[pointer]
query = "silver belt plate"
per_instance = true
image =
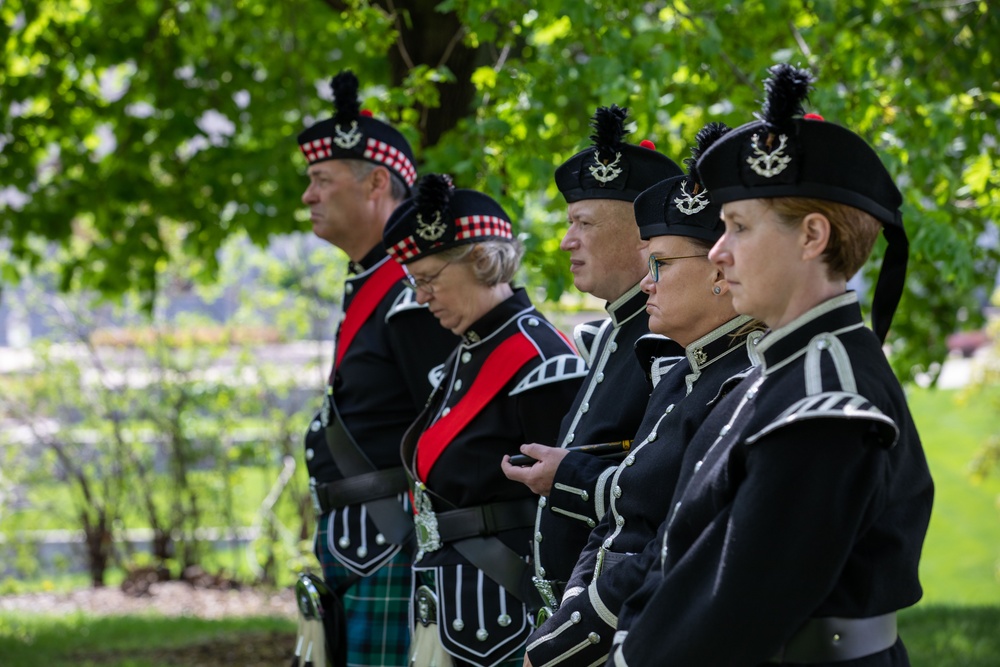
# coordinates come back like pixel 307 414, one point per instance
pixel 425 522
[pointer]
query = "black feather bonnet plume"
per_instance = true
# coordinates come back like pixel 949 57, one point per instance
pixel 609 131
pixel 432 203
pixel 706 136
pixel 785 92
pixel 345 98
pixel 434 195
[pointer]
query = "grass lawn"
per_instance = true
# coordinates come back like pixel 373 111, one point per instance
pixel 961 557
pixel 143 641
pixel 956 624
pixel 949 636
pixel 936 636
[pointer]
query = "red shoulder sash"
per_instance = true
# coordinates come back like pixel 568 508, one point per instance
pixel 502 364
pixel 364 304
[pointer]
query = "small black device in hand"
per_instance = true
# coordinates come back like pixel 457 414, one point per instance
pixel 604 449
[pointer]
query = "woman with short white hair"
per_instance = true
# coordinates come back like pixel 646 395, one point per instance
pixel 510 381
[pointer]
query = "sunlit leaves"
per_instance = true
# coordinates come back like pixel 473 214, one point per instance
pixel 204 101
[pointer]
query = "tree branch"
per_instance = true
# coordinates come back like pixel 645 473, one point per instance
pixel 404 54
pixel 455 39
pixel 800 41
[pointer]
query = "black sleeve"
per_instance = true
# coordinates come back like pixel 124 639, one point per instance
pixel 419 343
pixel 768 559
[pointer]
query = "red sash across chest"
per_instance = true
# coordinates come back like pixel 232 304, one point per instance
pixel 364 304
pixel 502 364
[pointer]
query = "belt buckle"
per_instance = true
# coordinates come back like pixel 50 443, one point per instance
pixel 425 522
pixel 426 605
pixel 314 496
pixel 544 587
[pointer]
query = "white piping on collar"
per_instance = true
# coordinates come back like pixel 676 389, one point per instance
pixel 614 306
pixel 813 313
pixel 469 346
pixel 372 269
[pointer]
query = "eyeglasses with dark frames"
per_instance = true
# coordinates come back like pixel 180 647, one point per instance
pixel 654 264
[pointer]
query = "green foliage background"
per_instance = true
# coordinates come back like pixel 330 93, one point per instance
pixel 915 79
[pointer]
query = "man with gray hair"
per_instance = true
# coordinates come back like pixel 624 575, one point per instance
pixel 387 345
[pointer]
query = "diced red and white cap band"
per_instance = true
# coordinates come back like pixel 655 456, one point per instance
pixel 375 150
pixel 468 228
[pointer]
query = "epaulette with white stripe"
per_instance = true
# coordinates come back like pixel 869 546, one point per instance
pixel 436 375
pixel 657 354
pixel 836 405
pixel 586 335
pixel 406 300
pixel 555 369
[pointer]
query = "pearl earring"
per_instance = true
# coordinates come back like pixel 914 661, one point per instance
pixel 717 289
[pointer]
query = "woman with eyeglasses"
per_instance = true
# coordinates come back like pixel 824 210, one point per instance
pixel 689 302
pixel 510 381
pixel 796 530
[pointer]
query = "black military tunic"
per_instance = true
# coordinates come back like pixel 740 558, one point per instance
pixel 805 495
pixel 478 620
pixel 622 547
pixel 379 387
pixel 609 408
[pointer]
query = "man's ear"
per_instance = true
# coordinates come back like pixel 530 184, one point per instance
pixel 815 235
pixel 379 180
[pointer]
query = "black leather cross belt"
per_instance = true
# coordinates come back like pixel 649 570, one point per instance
pixel 360 489
pixel 483 520
pixel 838 639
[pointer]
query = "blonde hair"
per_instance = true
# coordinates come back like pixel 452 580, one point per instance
pixel 852 231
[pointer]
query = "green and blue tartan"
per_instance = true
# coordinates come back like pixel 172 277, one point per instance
pixel 377 607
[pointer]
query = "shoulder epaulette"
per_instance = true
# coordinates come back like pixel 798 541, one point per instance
pixel 729 383
pixel 405 301
pixel 554 369
pixel 436 375
pixel 586 335
pixel 834 405
pixel 657 354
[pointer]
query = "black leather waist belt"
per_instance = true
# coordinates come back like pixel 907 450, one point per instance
pixel 839 639
pixel 360 489
pixel 483 520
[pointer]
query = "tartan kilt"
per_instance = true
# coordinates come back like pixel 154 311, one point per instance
pixel 376 606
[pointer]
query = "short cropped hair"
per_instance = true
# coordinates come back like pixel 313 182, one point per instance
pixel 852 231
pixel 493 262
pixel 361 169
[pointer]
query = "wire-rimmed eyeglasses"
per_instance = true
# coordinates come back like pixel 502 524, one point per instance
pixel 425 284
pixel 654 264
